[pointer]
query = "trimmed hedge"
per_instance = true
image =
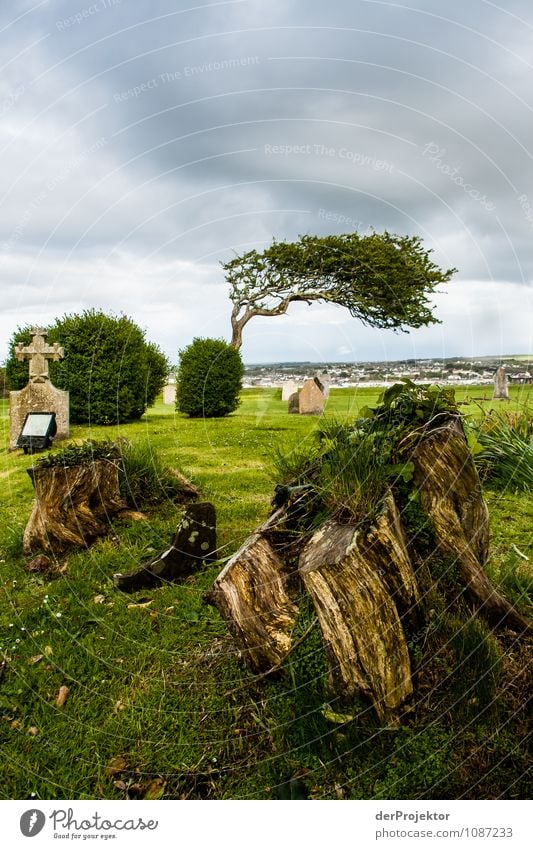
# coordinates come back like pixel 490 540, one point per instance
pixel 209 379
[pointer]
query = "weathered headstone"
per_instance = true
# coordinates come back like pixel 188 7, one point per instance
pixel 311 399
pixel 39 395
pixel 324 383
pixel 169 393
pixel 288 388
pixel 501 389
pixel 294 403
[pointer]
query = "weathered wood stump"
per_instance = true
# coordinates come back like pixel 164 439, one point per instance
pixel 361 579
pixel 73 505
pixel 193 545
pixel 385 546
pixel 250 595
pixel 451 495
pixel 357 580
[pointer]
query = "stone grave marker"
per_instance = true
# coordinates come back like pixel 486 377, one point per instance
pixel 288 388
pixel 501 389
pixel 294 403
pixel 311 398
pixel 324 382
pixel 39 395
pixel 169 393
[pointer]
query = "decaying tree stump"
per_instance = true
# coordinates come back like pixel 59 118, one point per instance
pixel 73 505
pixel 361 579
pixel 250 595
pixel 451 495
pixel 356 579
pixel 385 547
pixel 193 545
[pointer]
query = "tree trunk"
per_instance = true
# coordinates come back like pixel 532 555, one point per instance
pixel 237 325
pixel 236 336
pixel 358 582
pixel 73 505
pixel 451 495
pixel 250 595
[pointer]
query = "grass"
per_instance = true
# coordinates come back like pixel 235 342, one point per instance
pixel 154 678
pixel 506 458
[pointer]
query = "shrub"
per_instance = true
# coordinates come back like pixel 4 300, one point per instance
pixel 209 378
pixel 505 450
pixel 16 371
pixel 157 372
pixel 111 373
pixel 4 385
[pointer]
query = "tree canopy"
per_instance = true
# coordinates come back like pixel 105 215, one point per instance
pixel 111 373
pixel 384 280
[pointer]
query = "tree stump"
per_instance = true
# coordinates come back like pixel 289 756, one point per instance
pixel 73 505
pixel 357 580
pixel 250 595
pixel 451 495
pixel 193 545
pixel 361 579
pixel 385 546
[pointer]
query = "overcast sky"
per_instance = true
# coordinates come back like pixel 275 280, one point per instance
pixel 142 144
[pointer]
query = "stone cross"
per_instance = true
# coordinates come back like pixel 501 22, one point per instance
pixel 38 353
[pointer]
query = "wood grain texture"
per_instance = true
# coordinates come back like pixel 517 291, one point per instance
pixel 250 595
pixel 452 497
pixel 355 580
pixel 73 505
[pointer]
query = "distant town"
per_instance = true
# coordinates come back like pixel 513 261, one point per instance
pixel 454 370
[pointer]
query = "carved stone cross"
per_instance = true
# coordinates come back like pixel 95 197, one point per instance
pixel 38 353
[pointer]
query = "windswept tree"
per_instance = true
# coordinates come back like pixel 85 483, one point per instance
pixel 382 279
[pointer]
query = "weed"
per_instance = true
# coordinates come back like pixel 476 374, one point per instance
pixel 144 477
pixel 505 455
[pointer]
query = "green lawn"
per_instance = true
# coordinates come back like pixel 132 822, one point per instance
pixel 161 686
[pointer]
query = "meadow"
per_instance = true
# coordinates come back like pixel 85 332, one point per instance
pixel 160 704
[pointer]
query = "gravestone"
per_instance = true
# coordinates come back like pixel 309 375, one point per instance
pixel 501 389
pixel 169 393
pixel 288 388
pixel 294 403
pixel 311 399
pixel 39 395
pixel 324 383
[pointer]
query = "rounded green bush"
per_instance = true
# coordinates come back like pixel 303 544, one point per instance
pixel 209 379
pixel 111 373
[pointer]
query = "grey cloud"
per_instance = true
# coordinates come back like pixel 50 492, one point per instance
pixel 380 116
